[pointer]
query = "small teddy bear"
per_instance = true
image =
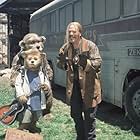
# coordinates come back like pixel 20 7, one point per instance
pixel 32 85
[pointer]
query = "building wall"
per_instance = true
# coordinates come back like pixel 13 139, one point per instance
pixel 3 39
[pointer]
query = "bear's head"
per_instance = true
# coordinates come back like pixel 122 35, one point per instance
pixel 32 59
pixel 32 40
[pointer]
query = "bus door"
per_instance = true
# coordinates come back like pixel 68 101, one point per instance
pixel 107 78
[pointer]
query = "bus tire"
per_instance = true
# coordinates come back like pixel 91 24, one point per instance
pixel 132 101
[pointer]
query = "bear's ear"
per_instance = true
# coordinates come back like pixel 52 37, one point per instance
pixel 22 44
pixel 43 38
pixel 43 55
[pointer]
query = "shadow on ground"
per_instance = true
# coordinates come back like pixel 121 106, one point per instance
pixel 115 116
pixel 107 112
pixel 59 93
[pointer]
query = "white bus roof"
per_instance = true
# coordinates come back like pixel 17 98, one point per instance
pixel 46 7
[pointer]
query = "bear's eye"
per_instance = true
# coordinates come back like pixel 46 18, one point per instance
pixel 29 58
pixel 33 42
pixel 38 41
pixel 30 42
pixel 35 58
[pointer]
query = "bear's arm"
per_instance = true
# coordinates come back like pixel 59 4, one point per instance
pixel 47 68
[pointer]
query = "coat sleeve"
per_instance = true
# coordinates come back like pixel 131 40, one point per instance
pixel 47 68
pixel 18 86
pixel 94 61
pixel 61 63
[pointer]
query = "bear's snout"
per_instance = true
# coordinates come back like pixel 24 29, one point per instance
pixel 32 61
pixel 38 47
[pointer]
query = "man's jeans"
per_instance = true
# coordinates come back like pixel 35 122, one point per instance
pixel 85 121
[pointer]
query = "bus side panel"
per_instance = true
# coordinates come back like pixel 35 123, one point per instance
pixel 107 78
pixel 126 57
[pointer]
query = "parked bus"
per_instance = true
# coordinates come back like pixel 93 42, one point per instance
pixel 114 25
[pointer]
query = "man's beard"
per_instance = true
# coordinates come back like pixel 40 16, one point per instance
pixel 71 39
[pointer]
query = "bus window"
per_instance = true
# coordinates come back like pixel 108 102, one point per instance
pixel 77 11
pixel 62 19
pixel 130 7
pixel 33 27
pixel 138 5
pixel 37 24
pixel 68 14
pixel 99 10
pixel 53 21
pixel 87 12
pixel 112 12
pixel 57 20
pixel 44 25
pixel 105 10
pixel 48 23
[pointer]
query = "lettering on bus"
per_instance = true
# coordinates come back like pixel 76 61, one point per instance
pixel 90 34
pixel 134 52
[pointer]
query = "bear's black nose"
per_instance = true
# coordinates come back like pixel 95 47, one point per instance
pixel 38 47
pixel 32 61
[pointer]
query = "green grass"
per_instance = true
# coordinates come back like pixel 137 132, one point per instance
pixel 61 126
pixel 109 132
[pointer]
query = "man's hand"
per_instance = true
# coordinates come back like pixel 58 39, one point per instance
pixel 22 99
pixel 61 51
pixel 62 58
pixel 83 60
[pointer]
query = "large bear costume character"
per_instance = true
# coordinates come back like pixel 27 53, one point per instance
pixel 31 41
pixel 33 89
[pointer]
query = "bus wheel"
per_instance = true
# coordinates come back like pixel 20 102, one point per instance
pixel 132 100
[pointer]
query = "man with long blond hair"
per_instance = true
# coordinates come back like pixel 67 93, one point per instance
pixel 81 60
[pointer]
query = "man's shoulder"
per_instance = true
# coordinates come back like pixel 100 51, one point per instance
pixel 89 42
